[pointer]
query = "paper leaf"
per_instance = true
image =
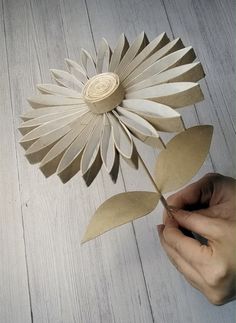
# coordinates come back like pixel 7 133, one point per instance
pixel 182 158
pixel 120 209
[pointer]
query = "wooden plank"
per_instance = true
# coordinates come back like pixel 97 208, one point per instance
pixel 170 295
pixel 14 291
pixel 103 280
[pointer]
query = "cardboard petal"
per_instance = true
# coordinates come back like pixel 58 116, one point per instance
pixel 151 48
pixel 140 128
pixel 107 148
pixel 66 79
pixel 120 209
pixel 118 53
pixel 58 90
pixel 139 43
pixel 182 158
pixel 181 56
pixel 48 100
pixel 161 116
pixel 170 47
pixel 76 70
pixel 87 63
pixel 73 154
pixel 103 57
pixel 176 95
pixel 36 113
pixel 50 126
pixel 192 72
pixel 121 137
pixel 92 147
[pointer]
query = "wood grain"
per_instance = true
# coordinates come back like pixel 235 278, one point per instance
pixel 124 276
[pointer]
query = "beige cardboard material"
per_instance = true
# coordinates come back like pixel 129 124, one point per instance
pixel 182 158
pixel 120 209
pixel 92 115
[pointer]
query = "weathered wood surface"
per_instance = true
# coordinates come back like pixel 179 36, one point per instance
pixel 123 276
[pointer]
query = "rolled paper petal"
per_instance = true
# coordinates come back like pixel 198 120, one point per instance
pixel 140 128
pixel 67 79
pixel 151 48
pixel 47 100
pixel 76 70
pixel 139 43
pixel 170 47
pixel 103 57
pixel 192 72
pixel 176 95
pixel 58 90
pixel 118 53
pixel 161 116
pixel 121 137
pixel 107 147
pixel 87 63
pixel 182 56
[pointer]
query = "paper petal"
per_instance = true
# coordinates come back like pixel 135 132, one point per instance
pixel 36 113
pixel 140 128
pixel 47 100
pixel 103 57
pixel 87 63
pixel 121 137
pixel 171 47
pixel 181 56
pixel 161 116
pixel 119 51
pixel 182 158
pixel 76 70
pixel 107 148
pixel 151 48
pixel 70 162
pixel 58 90
pixel 176 95
pixel 66 79
pixel 139 43
pixel 120 209
pixel 192 72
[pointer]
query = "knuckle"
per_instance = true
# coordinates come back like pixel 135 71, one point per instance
pixel 216 298
pixel 215 275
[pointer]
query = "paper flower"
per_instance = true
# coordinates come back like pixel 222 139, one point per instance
pixel 92 115
pixel 96 109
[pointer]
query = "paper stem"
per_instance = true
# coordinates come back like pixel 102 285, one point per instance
pixel 162 199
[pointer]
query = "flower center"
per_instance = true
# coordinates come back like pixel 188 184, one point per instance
pixel 103 92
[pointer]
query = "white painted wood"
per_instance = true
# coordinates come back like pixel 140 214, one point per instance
pixel 14 292
pixel 123 276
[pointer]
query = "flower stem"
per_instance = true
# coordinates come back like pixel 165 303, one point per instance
pixel 162 199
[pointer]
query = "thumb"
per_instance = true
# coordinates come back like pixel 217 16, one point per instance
pixel 195 222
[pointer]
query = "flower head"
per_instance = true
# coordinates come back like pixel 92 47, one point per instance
pixel 96 109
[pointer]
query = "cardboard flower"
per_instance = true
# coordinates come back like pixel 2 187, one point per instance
pixel 96 109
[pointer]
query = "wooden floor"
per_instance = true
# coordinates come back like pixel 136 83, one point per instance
pixel 123 276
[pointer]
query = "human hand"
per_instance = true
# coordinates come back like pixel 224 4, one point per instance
pixel 208 208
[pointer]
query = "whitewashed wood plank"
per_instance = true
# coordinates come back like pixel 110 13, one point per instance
pixel 14 292
pixel 170 295
pixel 103 280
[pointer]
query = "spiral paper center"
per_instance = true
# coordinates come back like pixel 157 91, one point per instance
pixel 103 92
